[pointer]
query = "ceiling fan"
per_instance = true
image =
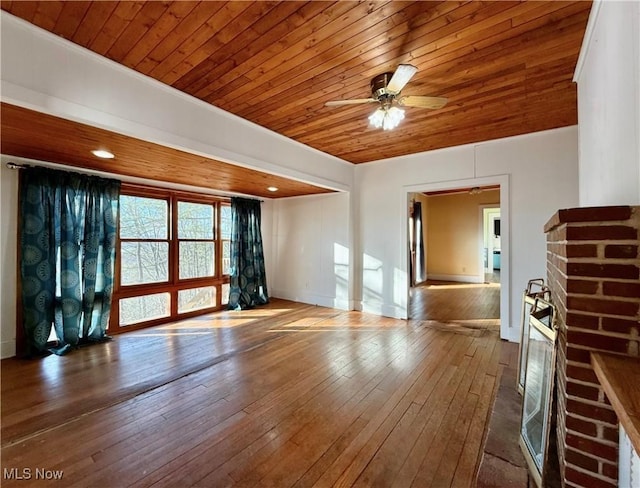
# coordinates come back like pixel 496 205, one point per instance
pixel 385 90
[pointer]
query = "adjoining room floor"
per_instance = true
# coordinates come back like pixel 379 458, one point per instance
pixel 459 305
pixel 287 395
pixel 493 277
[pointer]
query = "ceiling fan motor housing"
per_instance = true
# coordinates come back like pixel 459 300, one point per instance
pixel 379 86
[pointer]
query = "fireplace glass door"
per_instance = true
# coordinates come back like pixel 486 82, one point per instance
pixel 538 387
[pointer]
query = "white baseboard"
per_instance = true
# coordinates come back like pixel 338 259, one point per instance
pixel 7 349
pixel 457 278
pixel 393 311
pixel 375 308
pixel 312 299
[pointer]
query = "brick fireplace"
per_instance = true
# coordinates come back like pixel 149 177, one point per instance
pixel 593 270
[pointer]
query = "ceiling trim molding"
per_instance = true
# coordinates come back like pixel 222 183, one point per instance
pixel 586 40
pixel 471 145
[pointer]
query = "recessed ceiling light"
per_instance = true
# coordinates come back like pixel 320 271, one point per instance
pixel 101 153
pixel 272 188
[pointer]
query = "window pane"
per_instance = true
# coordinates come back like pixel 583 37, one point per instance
pixel 226 257
pixel 196 259
pixel 144 262
pixel 196 298
pixel 141 309
pixel 143 218
pixel 225 222
pixel 195 221
pixel 225 294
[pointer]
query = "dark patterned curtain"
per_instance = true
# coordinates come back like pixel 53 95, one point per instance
pixel 248 283
pixel 418 269
pixel 68 225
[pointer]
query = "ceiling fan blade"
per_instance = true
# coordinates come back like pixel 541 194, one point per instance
pixel 422 102
pixel 355 101
pixel 401 77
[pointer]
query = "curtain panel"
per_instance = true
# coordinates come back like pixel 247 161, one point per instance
pixel 248 282
pixel 68 225
pixel 419 272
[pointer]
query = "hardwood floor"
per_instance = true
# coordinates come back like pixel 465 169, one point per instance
pixel 287 395
pixel 457 306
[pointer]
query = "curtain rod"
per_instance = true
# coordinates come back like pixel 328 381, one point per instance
pixel 16 166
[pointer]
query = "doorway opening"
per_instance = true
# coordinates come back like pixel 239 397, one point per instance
pixel 491 243
pixel 455 258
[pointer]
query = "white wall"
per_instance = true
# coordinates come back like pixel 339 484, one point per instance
pixel 608 76
pixel 8 259
pixel 538 174
pixel 49 74
pixel 311 250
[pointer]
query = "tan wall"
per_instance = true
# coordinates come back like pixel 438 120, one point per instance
pixel 453 232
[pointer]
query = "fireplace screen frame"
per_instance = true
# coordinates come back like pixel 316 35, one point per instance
pixel 537 407
pixel 535 289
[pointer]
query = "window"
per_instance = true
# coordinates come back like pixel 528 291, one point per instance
pixel 144 308
pixel 196 240
pixel 144 240
pixel 173 258
pixel 196 298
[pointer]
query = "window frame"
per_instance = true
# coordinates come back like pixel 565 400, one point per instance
pixel 119 242
pixel 174 283
pixel 215 239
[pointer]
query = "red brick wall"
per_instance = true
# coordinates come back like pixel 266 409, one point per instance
pixel 593 270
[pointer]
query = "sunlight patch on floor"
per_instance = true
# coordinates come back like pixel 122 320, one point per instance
pixel 478 322
pixel 167 334
pixel 451 286
pixel 220 320
pixel 359 322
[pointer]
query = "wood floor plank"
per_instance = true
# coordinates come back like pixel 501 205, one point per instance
pixel 354 459
pixel 322 430
pixel 471 453
pixel 383 468
pixel 428 424
pixel 238 438
pixel 289 395
pixel 455 444
pixel 439 442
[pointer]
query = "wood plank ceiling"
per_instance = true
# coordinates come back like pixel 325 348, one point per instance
pixel 506 67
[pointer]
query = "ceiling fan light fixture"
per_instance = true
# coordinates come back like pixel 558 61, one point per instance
pixel 387 118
